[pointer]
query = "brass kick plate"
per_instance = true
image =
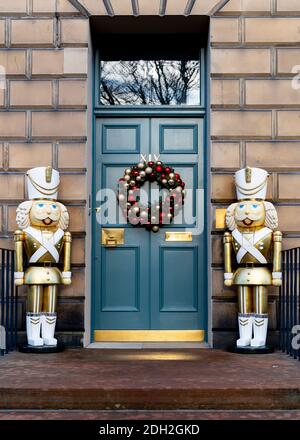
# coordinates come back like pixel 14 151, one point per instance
pixel 149 335
pixel 179 236
pixel 112 237
pixel 220 218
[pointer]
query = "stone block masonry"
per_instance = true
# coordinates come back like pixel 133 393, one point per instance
pixel 255 121
pixel 43 102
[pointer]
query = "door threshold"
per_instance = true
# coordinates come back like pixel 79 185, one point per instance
pixel 146 345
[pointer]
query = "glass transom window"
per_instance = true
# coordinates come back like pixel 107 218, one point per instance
pixel 150 82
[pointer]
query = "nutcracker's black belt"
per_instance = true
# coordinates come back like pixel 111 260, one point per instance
pixel 43 265
pixel 252 265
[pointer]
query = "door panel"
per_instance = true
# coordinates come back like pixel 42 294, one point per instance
pixel 121 136
pixel 149 283
pixel 121 139
pixel 180 139
pixel 122 301
pixel 121 293
pixel 177 267
pixel 178 283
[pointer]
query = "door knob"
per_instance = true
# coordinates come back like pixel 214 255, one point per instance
pixel 98 209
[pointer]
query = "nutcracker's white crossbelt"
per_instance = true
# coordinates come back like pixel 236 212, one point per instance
pixel 247 247
pixel 46 245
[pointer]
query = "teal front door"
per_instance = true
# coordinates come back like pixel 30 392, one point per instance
pixel 149 283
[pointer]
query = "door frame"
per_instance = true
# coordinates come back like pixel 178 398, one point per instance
pixel 100 111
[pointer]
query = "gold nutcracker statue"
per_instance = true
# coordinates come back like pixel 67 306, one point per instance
pixel 253 224
pixel 41 237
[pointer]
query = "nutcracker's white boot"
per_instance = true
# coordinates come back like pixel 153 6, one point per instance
pixel 48 328
pixel 33 329
pixel 245 330
pixel 260 324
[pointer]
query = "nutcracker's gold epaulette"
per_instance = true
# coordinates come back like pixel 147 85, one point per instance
pixel 68 237
pixel 277 236
pixel 18 235
pixel 227 237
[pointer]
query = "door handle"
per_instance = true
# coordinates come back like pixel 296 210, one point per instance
pixel 97 210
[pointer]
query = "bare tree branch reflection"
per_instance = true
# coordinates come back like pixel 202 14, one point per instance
pixel 150 82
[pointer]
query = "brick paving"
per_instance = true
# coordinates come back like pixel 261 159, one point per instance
pixel 149 380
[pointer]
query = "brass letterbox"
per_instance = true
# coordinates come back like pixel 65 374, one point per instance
pixel 112 237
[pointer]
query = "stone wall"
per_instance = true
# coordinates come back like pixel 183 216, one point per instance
pixel 43 101
pixel 255 121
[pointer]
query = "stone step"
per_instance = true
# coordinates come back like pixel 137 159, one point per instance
pixel 169 379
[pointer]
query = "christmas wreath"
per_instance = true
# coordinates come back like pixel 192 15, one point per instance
pixel 160 212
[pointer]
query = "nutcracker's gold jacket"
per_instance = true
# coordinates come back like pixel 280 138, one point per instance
pixel 45 270
pixel 251 271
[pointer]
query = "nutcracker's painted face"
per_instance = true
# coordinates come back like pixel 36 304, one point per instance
pixel 45 213
pixel 250 214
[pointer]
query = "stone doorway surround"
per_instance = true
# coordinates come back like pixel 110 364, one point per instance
pixel 146 7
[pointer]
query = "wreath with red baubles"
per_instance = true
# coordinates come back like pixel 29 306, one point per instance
pixel 160 212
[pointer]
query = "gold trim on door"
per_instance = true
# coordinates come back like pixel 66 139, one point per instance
pixel 149 335
pixel 179 236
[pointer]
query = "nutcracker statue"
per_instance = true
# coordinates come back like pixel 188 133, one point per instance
pixel 253 224
pixel 41 239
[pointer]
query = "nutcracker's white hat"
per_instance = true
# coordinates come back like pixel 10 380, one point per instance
pixel 251 183
pixel 42 183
